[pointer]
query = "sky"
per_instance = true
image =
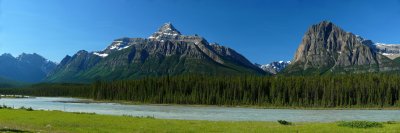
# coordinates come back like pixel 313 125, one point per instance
pixel 261 30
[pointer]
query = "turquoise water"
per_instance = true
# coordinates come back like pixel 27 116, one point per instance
pixel 213 113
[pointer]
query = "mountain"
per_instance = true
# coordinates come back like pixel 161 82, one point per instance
pixel 326 48
pixel 166 52
pixel 391 51
pixel 274 67
pixel 25 67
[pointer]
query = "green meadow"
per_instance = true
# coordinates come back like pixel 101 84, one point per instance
pixel 17 120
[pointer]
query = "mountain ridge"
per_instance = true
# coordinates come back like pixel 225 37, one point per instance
pixel 166 52
pixel 25 67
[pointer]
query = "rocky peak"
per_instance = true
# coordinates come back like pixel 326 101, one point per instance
pixel 82 52
pixel 326 46
pixel 32 58
pixel 7 55
pixel 167 31
pixel 25 55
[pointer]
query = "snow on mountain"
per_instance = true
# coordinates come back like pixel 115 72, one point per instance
pixel 100 54
pixel 274 67
pixel 391 51
pixel 118 45
pixel 167 31
pixel 166 52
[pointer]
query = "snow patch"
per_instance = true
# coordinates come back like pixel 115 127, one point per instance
pixel 387 54
pixel 101 54
pixel 170 34
pixel 383 44
pixel 119 45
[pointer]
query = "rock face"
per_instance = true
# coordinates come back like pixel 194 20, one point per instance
pixel 25 67
pixel 327 48
pixel 166 52
pixel 274 67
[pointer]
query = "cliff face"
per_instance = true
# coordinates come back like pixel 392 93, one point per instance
pixel 326 47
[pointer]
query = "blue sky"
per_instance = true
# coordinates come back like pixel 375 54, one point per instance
pixel 261 30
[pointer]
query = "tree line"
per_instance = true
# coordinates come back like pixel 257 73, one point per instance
pixel 51 90
pixel 358 90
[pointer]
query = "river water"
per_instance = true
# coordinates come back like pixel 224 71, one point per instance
pixel 213 113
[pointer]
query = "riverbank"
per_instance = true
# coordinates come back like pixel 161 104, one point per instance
pixel 123 102
pixel 211 113
pixel 56 121
pixel 15 96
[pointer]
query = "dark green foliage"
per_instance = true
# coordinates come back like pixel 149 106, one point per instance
pixel 7 83
pixel 364 90
pixel 48 89
pixel 360 124
pixel 283 122
pixel 8 130
pixel 397 60
pixel 391 122
pixel 90 113
pixel 5 107
pixel 343 91
pixel 27 109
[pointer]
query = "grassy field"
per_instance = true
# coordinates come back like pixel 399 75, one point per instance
pixel 55 121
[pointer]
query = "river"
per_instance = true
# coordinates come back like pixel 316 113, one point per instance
pixel 213 113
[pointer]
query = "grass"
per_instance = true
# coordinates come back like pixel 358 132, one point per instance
pixel 361 124
pixel 62 122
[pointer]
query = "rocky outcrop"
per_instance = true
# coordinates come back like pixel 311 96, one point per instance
pixel 326 47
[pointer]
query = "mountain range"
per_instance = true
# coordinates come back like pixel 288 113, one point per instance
pixel 25 67
pixel 325 49
pixel 165 53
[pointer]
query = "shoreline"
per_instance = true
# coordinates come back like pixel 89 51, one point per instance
pixel 89 101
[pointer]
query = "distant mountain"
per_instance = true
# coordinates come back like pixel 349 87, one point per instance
pixel 326 48
pixel 274 67
pixel 166 52
pixel 391 51
pixel 25 67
